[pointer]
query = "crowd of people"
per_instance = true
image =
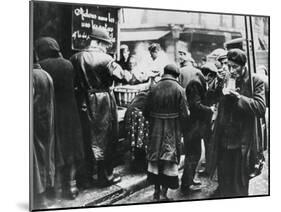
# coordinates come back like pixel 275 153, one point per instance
pixel 76 121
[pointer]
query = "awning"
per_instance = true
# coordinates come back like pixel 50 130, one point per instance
pixel 142 35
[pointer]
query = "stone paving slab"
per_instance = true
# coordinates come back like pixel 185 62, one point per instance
pixel 131 182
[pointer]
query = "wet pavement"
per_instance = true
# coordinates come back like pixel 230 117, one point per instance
pixel 258 186
pixel 134 189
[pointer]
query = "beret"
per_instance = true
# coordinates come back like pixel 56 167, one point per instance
pixel 238 56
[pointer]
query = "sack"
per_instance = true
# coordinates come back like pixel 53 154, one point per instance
pixel 256 160
pixel 256 164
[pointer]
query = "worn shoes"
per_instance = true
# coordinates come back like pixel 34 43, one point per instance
pixel 114 180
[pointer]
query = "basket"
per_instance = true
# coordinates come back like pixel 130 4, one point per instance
pixel 125 94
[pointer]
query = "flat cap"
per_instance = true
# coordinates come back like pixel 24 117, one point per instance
pixel 47 43
pixel 218 54
pixel 44 47
pixel 238 56
pixel 172 69
pixel 183 49
pixel 124 46
pixel 209 67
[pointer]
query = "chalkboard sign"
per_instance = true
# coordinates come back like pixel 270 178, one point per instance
pixel 86 17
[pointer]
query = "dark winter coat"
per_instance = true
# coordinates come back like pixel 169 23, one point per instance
pixel 167 110
pixel 43 146
pixel 236 124
pixel 187 73
pixel 68 128
pixel 200 113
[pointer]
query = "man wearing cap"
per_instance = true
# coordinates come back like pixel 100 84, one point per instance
pixel 219 58
pixel 95 70
pixel 234 133
pixel 167 111
pixel 68 133
pixel 210 99
pixel 194 84
pixel 187 70
pixel 200 112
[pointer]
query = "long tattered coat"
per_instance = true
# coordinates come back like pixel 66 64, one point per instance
pixel 167 110
pixel 68 128
pixel 43 134
pixel 234 135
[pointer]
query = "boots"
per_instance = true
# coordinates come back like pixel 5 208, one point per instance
pixel 105 175
pixel 156 195
pixel 71 191
pixel 164 194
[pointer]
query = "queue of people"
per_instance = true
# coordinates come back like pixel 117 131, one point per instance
pixel 76 125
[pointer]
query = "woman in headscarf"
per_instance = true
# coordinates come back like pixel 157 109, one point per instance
pixel 136 126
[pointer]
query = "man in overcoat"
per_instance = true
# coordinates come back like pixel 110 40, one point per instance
pixel 187 70
pixel 235 128
pixel 95 71
pixel 200 112
pixel 68 133
pixel 195 86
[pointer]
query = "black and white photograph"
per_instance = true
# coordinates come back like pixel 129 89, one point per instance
pixel 132 105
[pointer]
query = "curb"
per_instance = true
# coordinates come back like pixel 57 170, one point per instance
pixel 120 194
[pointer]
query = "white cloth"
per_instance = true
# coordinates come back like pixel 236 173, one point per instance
pixel 169 168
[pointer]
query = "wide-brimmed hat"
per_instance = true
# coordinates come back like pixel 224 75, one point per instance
pixel 100 34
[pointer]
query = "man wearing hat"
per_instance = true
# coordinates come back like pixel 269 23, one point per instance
pixel 234 133
pixel 167 112
pixel 95 70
